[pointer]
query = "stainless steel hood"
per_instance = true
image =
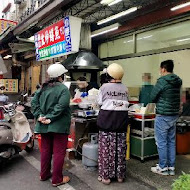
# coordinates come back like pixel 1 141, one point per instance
pixel 83 60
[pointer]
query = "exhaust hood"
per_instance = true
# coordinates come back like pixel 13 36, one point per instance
pixel 83 60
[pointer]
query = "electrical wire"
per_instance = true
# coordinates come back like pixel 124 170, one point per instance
pixel 78 145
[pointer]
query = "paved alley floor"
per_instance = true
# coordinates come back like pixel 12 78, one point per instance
pixel 22 173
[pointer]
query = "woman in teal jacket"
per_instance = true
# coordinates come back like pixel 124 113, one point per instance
pixel 51 109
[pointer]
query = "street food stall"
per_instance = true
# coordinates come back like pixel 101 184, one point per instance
pixel 84 116
pixel 83 64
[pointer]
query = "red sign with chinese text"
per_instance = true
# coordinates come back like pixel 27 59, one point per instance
pixel 51 35
pixel 59 39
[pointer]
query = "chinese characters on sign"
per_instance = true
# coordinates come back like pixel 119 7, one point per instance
pixel 67 35
pixel 53 41
pixel 11 85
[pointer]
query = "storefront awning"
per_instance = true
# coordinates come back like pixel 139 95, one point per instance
pixel 20 47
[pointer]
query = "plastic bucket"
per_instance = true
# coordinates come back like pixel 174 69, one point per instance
pixel 71 137
pixel 183 143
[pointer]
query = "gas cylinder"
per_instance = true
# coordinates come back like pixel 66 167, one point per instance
pixel 90 152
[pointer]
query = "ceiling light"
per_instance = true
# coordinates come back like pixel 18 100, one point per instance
pixel 114 2
pixel 147 37
pixel 7 57
pixel 113 17
pixel 180 6
pixel 105 30
pixel 182 40
pixel 106 2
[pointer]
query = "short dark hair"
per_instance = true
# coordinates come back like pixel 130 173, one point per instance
pixel 168 65
pixel 82 79
pixel 105 78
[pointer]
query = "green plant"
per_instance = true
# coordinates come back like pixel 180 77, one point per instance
pixel 182 183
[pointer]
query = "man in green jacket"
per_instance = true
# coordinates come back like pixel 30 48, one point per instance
pixel 166 95
pixel 51 110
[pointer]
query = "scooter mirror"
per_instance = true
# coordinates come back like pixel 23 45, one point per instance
pixel 10 105
pixel 18 102
pixel 25 95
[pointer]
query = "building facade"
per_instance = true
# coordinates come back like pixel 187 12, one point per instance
pixel 139 41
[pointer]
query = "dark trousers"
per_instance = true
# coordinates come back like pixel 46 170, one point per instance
pixel 53 144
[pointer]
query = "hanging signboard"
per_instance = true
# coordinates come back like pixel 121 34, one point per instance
pixel 61 38
pixel 4 24
pixel 11 85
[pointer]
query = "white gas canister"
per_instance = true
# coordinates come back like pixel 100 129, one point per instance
pixel 90 152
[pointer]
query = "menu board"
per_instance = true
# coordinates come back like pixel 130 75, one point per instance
pixel 11 85
pixel 2 82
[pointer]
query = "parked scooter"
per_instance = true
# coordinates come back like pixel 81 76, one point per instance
pixel 15 133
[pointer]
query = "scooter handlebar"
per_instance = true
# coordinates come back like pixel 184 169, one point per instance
pixel 4 108
pixel 8 108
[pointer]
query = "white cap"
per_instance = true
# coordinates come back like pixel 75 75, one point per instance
pixel 56 70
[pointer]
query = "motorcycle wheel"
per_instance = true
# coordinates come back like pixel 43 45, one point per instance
pixel 30 146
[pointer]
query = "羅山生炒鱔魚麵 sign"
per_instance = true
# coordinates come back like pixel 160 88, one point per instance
pixel 61 38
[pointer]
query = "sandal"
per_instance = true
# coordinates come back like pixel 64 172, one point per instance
pixel 99 179
pixel 45 178
pixel 106 181
pixel 66 179
pixel 120 180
